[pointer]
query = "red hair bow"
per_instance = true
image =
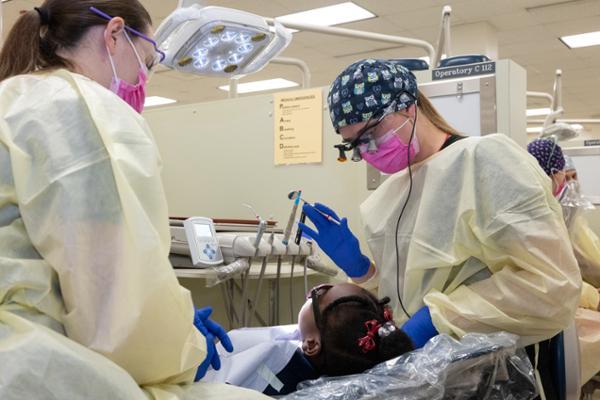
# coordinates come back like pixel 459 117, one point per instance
pixel 367 342
pixel 387 314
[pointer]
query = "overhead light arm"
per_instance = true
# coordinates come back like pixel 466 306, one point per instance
pixel 352 33
pixel 306 77
pixel 556 109
pixel 541 95
pixel 443 45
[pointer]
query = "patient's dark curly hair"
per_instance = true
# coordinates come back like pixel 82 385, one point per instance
pixel 343 324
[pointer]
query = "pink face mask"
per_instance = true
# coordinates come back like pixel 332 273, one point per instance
pixel 392 154
pixel 560 188
pixel 134 95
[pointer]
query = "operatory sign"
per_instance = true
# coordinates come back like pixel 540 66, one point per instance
pixel 462 71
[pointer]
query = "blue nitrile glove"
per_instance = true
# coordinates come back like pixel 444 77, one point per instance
pixel 420 328
pixel 337 241
pixel 210 330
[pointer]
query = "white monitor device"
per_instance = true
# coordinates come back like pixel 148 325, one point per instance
pixel 202 240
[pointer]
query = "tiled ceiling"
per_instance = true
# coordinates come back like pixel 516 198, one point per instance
pixel 527 32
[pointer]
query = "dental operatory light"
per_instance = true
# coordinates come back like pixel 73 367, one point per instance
pixel 553 128
pixel 218 41
pixel 559 131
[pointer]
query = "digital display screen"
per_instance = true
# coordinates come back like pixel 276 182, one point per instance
pixel 202 230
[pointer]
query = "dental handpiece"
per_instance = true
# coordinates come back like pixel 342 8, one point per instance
pixel 288 229
pixel 262 226
pixel 299 231
pixel 327 216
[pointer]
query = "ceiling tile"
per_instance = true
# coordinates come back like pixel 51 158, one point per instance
pixel 565 11
pixel 516 20
pixel 583 25
pixel 520 35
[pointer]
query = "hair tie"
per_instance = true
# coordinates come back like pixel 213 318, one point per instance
pixel 367 342
pixel 386 329
pixel 44 15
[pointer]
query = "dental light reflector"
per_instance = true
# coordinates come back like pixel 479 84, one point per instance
pixel 219 41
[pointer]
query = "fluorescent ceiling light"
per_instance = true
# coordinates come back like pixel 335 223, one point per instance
pixel 534 112
pixel 153 101
pixel 257 86
pixel 328 16
pixel 581 40
pixel 535 129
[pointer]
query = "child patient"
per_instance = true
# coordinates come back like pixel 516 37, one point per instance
pixel 346 330
pixel 342 329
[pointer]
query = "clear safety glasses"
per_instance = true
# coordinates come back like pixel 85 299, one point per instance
pixel 364 135
pixel 159 56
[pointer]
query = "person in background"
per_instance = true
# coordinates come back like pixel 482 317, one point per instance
pixel 465 233
pixel 90 306
pixel 551 159
pixel 586 246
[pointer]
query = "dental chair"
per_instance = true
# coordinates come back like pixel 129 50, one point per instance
pixel 413 64
pixel 465 59
pixel 482 367
pixel 479 367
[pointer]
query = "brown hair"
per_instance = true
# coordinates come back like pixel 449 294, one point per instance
pixel 38 34
pixel 342 326
pixel 427 109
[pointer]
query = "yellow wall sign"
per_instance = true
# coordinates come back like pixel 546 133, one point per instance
pixel 298 121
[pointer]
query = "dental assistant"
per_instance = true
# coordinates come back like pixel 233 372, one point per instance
pixel 90 306
pixel 465 234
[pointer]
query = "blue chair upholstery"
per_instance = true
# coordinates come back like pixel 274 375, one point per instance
pixel 413 64
pixel 463 60
pixel 566 364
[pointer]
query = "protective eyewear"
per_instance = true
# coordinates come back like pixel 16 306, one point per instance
pixel 365 134
pixel 314 295
pixel 319 290
pixel 160 55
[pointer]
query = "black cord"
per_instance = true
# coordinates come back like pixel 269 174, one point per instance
pixel 412 134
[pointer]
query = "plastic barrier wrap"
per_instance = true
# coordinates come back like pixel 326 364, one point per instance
pixel 482 367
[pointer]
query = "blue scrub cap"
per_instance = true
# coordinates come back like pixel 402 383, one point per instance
pixel 367 87
pixel 548 154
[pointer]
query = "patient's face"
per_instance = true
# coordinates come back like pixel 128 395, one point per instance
pixel 571 175
pixel 306 319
